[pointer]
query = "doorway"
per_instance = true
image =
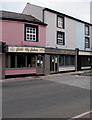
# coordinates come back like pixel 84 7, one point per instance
pixel 53 63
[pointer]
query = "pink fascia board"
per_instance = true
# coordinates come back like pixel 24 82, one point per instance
pixel 20 71
pixel 13 33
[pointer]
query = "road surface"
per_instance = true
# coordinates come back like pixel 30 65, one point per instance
pixel 49 97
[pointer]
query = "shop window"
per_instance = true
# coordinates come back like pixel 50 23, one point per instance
pixel 7 61
pixel 31 33
pixel 85 61
pixel 66 60
pixel 12 60
pixel 61 60
pixel 30 61
pixel 21 60
pixel 72 60
pixel 60 38
pixel 60 22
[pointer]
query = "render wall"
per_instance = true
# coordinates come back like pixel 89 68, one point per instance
pixel 51 31
pixel 91 12
pixel 74 30
pixel 33 10
pixel 13 33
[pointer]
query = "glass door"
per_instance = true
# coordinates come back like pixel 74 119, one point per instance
pixel 53 63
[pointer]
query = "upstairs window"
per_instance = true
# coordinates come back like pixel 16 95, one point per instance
pixel 60 38
pixel 86 30
pixel 60 22
pixel 31 33
pixel 87 42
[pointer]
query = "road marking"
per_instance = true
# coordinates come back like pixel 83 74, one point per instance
pixel 81 115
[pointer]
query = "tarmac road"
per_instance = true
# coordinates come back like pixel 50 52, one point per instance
pixel 51 97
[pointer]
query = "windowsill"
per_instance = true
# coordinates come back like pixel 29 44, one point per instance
pixel 31 41
pixel 61 27
pixel 20 68
pixel 60 45
pixel 68 66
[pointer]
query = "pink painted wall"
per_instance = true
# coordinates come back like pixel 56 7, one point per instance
pixel 20 71
pixel 0 30
pixel 13 33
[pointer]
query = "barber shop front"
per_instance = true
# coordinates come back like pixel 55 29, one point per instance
pixel 24 60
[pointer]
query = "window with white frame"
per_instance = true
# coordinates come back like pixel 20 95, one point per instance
pixel 60 22
pixel 87 42
pixel 60 38
pixel 31 33
pixel 86 30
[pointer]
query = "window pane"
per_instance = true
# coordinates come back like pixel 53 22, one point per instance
pixel 60 38
pixel 21 60
pixel 61 60
pixel 72 60
pixel 87 42
pixel 31 33
pixel 30 60
pixel 67 60
pixel 7 60
pixel 12 60
pixel 86 30
pixel 60 21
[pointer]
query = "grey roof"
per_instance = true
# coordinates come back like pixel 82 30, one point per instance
pixel 6 15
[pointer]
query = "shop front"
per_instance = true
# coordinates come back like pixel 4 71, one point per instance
pixel 24 60
pixel 61 60
pixel 84 60
pixel 27 60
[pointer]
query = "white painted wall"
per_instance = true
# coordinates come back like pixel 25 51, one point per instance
pixel 51 31
pixel 73 36
pixel 70 30
pixel 91 12
pixel 34 10
pixel 91 22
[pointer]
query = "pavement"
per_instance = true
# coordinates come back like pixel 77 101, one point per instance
pixel 47 76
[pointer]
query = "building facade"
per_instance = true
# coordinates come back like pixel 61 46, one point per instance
pixel 25 40
pixel 49 42
pixel 91 12
pixel 67 34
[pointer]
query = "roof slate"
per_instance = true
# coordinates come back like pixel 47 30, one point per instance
pixel 6 15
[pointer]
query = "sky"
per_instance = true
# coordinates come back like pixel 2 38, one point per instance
pixel 76 8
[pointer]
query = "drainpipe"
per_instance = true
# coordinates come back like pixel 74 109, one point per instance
pixel 76 58
pixel 43 15
pixel 2 60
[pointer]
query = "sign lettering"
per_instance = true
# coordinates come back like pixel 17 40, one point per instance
pixel 26 49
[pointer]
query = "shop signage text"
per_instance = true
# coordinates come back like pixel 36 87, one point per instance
pixel 26 49
pixel 85 53
pixel 67 52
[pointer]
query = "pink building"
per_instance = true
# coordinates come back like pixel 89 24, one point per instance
pixel 25 37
